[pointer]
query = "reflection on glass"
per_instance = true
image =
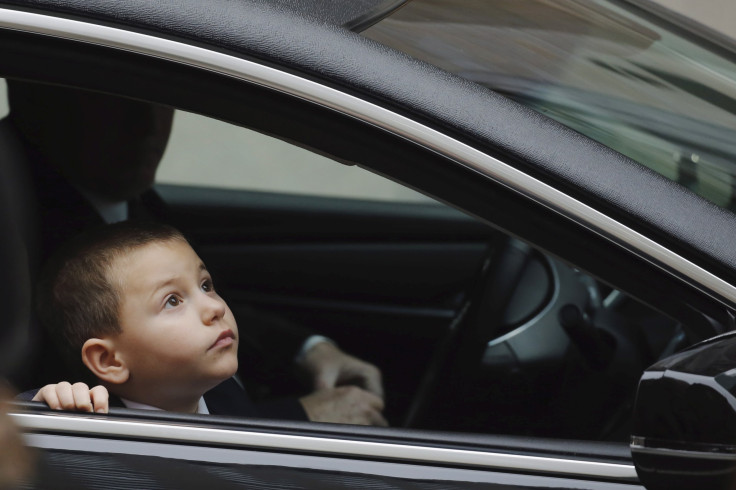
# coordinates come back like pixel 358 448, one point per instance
pixel 602 70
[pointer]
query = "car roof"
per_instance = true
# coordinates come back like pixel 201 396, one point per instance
pixel 270 32
pixel 355 15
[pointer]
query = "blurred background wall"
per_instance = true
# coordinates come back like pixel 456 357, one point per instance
pixel 717 14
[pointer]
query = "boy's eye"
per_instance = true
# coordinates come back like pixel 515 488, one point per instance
pixel 172 301
pixel 207 286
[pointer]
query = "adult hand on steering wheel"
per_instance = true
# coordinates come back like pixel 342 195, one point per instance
pixel 330 367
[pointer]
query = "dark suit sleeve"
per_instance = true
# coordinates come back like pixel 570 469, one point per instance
pixel 229 398
pixel 279 337
pixel 268 346
pixel 282 409
pixel 27 396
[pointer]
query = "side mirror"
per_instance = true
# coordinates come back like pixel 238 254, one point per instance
pixel 684 432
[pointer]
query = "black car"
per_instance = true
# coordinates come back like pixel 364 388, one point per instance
pixel 554 214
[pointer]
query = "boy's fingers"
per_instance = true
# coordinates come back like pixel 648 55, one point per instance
pixel 47 394
pixel 66 395
pixel 82 400
pixel 100 399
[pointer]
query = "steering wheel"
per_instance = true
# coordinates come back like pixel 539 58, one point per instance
pixel 461 350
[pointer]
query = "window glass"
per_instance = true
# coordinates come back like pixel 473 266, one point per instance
pixel 390 288
pixel 210 153
pixel 613 74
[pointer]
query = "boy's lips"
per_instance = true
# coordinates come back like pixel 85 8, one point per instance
pixel 226 337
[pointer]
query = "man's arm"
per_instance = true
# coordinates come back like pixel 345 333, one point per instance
pixel 285 343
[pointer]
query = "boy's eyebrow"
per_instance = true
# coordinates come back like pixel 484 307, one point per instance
pixel 160 285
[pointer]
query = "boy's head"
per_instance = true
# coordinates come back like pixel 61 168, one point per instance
pixel 139 305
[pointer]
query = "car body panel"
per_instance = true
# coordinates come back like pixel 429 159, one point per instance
pixel 232 444
pixel 136 465
pixel 355 15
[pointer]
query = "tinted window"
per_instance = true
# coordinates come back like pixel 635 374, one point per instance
pixel 632 84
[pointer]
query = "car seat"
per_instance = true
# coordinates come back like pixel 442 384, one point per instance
pixel 17 202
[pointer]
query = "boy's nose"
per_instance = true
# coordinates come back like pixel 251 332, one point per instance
pixel 213 309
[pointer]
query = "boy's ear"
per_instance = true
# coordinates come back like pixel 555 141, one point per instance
pixel 100 357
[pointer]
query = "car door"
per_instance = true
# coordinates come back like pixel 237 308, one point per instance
pixel 428 155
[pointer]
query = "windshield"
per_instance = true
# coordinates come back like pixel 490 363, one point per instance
pixel 633 85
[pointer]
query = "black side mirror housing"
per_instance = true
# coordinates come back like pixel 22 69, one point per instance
pixel 684 432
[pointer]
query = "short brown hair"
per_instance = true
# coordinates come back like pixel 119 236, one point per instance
pixel 76 299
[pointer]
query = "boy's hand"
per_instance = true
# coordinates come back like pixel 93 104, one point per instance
pixel 79 397
pixel 344 405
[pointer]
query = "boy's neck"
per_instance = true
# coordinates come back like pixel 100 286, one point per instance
pixel 180 406
pixel 144 406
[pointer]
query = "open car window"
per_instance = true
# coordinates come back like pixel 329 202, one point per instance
pixel 473 331
pixel 447 307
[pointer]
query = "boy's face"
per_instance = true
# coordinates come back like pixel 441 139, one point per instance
pixel 178 337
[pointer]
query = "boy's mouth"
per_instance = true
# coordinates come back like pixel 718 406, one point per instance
pixel 226 337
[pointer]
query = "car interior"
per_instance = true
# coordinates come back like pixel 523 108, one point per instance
pixel 473 330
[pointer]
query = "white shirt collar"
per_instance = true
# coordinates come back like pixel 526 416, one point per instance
pixel 111 211
pixel 201 406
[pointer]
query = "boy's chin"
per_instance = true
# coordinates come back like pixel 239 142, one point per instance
pixel 216 373
pixel 228 371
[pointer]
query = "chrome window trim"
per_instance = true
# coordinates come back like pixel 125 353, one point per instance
pixel 160 432
pixel 246 457
pixel 380 117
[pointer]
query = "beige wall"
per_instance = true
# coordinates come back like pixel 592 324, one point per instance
pixel 718 14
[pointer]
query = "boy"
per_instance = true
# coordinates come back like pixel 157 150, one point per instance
pixel 140 306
